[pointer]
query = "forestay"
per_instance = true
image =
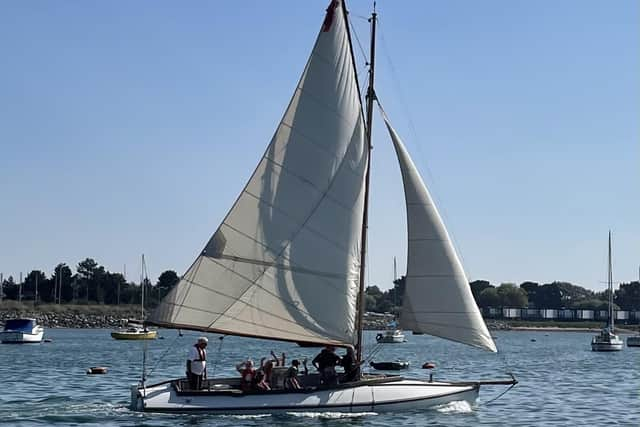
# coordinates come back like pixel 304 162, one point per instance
pixel 284 264
pixel 437 299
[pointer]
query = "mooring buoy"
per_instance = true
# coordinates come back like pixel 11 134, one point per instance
pixel 97 370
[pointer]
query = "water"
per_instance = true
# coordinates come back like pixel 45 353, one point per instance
pixel 562 381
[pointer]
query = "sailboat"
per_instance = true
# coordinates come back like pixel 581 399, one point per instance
pixel 132 329
pixel 607 340
pixel 288 261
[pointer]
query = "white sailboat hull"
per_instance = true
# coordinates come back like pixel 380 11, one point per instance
pixel 396 395
pixel 16 337
pixel 606 343
pixel 617 346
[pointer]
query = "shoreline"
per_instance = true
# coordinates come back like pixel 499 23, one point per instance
pixel 99 316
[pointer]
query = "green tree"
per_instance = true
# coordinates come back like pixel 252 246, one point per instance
pixel 531 288
pixel 111 283
pixel 61 280
pixel 548 296
pixel 489 298
pixel 477 286
pixel 628 296
pixel 512 296
pixel 10 288
pixel 33 284
pixel 590 304
pixel 167 280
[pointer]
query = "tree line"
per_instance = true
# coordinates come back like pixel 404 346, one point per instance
pixel 555 295
pixel 90 284
pixel 93 284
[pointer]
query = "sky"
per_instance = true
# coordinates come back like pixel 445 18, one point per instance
pixel 131 127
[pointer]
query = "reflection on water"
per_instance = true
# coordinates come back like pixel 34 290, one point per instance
pixel 562 381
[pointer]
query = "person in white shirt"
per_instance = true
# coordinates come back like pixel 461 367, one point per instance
pixel 197 363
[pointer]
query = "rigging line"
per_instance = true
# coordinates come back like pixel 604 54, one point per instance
pixel 162 356
pixel 436 199
pixel 489 402
pixel 353 31
pixel 215 361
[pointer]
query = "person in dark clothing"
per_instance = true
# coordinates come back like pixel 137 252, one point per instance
pixel 325 363
pixel 351 367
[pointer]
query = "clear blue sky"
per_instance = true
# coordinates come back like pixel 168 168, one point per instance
pixel 130 127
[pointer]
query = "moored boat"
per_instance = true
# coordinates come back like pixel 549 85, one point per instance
pixel 135 329
pixel 607 340
pixel 396 365
pixel 22 331
pixel 391 336
pixel 134 332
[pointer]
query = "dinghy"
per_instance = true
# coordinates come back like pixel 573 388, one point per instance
pixel 390 366
pixel 288 261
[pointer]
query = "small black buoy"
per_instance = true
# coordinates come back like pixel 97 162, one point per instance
pixel 97 370
pixel 533 340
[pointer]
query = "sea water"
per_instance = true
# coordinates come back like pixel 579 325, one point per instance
pixel 562 382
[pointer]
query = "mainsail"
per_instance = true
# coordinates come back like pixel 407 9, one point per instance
pixel 284 263
pixel 437 298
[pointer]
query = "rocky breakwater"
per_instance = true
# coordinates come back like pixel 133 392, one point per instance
pixel 70 317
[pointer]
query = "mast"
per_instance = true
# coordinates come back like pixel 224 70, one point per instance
pixel 142 286
pixel 610 279
pixel 363 248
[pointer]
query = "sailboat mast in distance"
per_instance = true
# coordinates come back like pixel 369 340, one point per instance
pixel 369 130
pixel 610 280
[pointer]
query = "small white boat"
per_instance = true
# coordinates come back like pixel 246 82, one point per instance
pixel 390 336
pixel 21 331
pixel 633 341
pixel 607 340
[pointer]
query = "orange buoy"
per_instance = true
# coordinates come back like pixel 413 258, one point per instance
pixel 428 365
pixel 97 370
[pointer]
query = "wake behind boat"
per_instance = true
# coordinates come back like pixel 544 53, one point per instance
pixel 21 331
pixel 288 261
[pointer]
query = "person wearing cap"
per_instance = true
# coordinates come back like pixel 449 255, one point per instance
pixel 197 364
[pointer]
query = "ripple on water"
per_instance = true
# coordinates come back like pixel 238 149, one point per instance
pixel 561 382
